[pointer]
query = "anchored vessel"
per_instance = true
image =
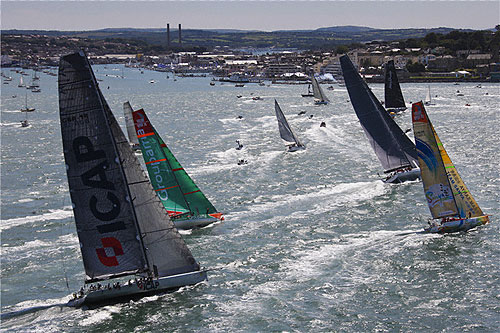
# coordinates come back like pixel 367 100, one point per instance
pixel 123 229
pixel 452 206
pixel 394 101
pixel 286 131
pixel 185 203
pixel 319 95
pixel 393 148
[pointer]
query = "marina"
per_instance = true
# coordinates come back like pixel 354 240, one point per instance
pixel 311 241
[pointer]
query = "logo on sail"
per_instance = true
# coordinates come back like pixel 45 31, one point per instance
pixel 438 194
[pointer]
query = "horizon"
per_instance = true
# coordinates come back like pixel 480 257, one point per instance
pixel 224 15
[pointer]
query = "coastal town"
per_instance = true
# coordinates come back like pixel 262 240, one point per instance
pixel 431 63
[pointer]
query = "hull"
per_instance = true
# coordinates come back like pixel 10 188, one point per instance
pixel 400 177
pixel 194 222
pixel 296 148
pixel 320 102
pixel 307 95
pixel 138 289
pixel 458 225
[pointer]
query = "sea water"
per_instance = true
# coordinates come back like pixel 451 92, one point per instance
pixel 312 241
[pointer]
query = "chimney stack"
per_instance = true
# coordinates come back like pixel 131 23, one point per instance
pixel 168 36
pixel 180 39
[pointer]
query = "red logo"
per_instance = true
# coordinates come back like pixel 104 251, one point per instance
pixel 117 248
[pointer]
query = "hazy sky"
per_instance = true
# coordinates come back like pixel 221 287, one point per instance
pixel 257 15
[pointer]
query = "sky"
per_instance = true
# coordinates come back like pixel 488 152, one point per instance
pixel 247 15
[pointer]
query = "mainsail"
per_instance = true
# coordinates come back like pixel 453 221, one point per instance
pixel 286 131
pixel 121 224
pixel 393 94
pixel 428 98
pixel 319 95
pixel 392 147
pixel 444 189
pixel 176 190
pixel 129 121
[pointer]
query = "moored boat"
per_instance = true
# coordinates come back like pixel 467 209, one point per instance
pixel 452 206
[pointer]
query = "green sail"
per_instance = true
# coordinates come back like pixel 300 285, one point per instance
pixel 177 191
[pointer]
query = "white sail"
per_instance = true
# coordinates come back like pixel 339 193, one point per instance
pixel 319 95
pixel 129 121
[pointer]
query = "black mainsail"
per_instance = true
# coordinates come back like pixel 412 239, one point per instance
pixel 392 147
pixel 122 226
pixel 393 95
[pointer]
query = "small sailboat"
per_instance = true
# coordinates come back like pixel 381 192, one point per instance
pixel 428 98
pixel 26 108
pixel 452 206
pixel 319 95
pixel 124 232
pixel 185 203
pixel 394 101
pixel 286 131
pixel 21 82
pixel 129 122
pixel 309 92
pixel 393 148
pixel 24 122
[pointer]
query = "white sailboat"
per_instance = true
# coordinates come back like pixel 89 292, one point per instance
pixel 428 98
pixel 124 232
pixel 26 108
pixel 319 95
pixel 286 131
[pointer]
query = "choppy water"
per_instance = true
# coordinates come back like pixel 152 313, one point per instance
pixel 312 241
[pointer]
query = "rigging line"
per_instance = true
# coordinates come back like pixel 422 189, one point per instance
pixel 62 257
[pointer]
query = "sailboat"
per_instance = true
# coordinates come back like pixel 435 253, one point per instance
pixel 286 131
pixel 21 83
pixel 451 204
pixel 309 92
pixel 123 229
pixel 394 101
pixel 319 95
pixel 428 99
pixel 129 122
pixel 393 148
pixel 185 203
pixel 24 122
pixel 26 108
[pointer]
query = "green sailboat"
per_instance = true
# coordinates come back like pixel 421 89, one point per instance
pixel 185 203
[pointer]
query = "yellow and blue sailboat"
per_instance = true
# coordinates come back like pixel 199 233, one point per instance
pixel 452 206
